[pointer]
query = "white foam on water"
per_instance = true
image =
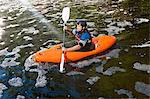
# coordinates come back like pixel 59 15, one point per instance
pixel 2 43
pixel 115 27
pixel 112 70
pixel 2 87
pixel 85 63
pixel 2 31
pixel 29 62
pixel 92 80
pixel 142 67
pixel 12 26
pixel 30 30
pixel 146 44
pixel 74 73
pixel 38 15
pixel 41 79
pixel 27 38
pixel 112 30
pixel 4 51
pixel 16 82
pixel 113 53
pixel 11 61
pixel 20 97
pixel 124 92
pixel 143 88
pixel 141 20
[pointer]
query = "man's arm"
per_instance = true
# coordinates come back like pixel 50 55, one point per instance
pixel 74 48
pixel 68 30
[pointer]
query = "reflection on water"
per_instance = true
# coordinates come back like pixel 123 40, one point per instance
pixel 30 26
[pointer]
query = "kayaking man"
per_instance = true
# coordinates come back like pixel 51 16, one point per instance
pixel 83 37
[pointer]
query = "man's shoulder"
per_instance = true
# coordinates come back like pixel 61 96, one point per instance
pixel 85 35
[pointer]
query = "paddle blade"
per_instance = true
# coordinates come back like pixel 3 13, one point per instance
pixel 65 14
pixel 62 63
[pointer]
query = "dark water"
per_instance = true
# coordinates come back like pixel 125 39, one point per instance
pixel 107 75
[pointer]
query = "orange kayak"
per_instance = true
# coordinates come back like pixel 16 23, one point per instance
pixel 54 54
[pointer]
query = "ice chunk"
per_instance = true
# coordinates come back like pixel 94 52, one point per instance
pixel 124 92
pixel 16 82
pixel 74 73
pixel 112 70
pixel 93 80
pixel 2 87
pixel 142 67
pixel 142 88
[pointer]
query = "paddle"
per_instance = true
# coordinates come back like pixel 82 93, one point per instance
pixel 65 17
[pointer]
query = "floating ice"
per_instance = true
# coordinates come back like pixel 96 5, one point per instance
pixel 141 20
pixel 142 88
pixel 112 70
pixel 124 92
pixel 20 97
pixel 16 82
pixel 74 73
pixel 93 80
pixel 142 67
pixel 2 87
pixel 27 38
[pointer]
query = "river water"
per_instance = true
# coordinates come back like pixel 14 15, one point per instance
pixel 29 26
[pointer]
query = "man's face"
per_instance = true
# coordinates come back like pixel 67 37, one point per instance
pixel 79 27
